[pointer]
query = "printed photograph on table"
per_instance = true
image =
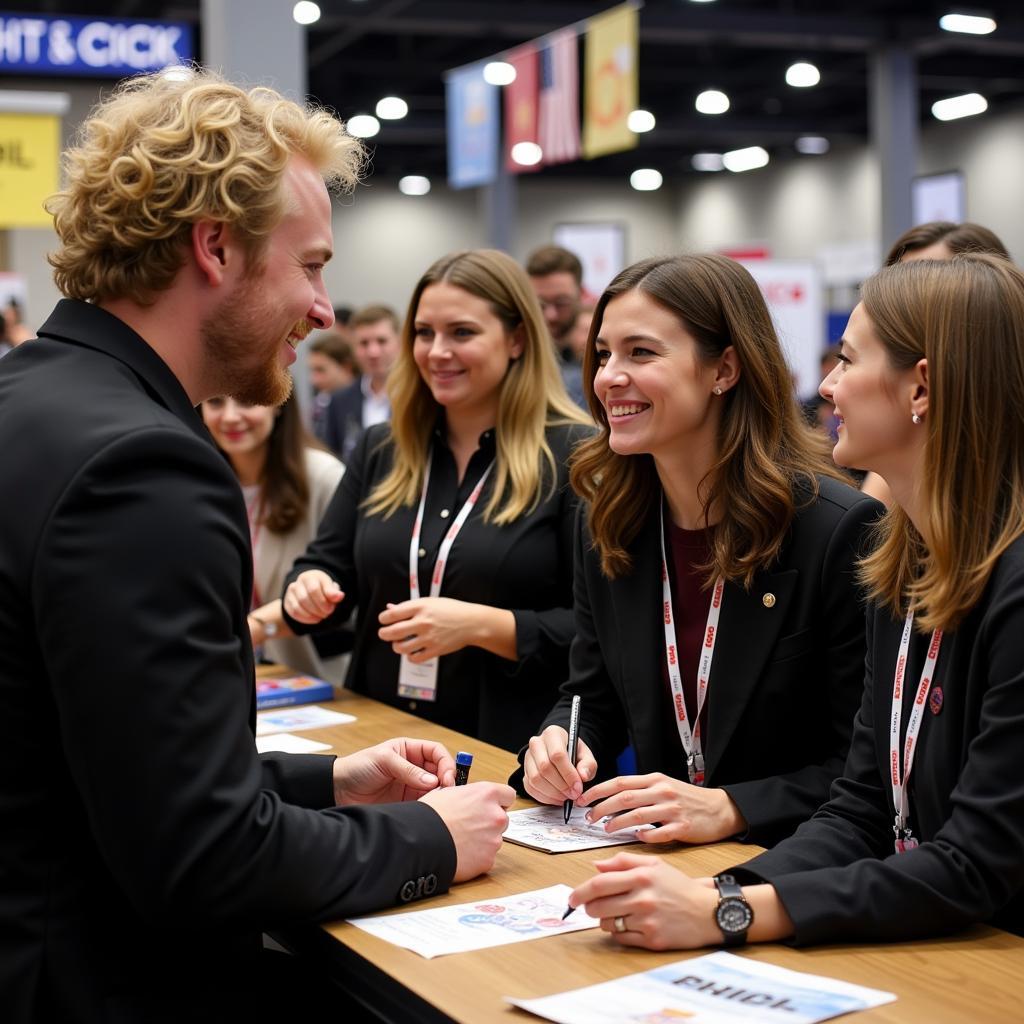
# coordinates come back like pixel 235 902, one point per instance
pixel 543 828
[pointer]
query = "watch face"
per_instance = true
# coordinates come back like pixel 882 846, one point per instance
pixel 734 916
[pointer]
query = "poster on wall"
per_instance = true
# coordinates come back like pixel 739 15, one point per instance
pixel 601 248
pixel 794 294
pixel 12 286
pixel 938 197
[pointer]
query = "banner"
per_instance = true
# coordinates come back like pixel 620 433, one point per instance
pixel 521 105
pixel 559 98
pixel 29 168
pixel 610 81
pixel 472 113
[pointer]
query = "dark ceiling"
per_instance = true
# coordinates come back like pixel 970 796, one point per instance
pixel 361 50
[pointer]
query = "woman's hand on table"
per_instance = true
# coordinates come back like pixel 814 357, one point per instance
pixel 548 774
pixel 312 596
pixel 392 771
pixel 681 812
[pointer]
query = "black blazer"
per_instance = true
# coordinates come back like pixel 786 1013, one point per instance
pixel 343 420
pixel 143 842
pixel 785 682
pixel 839 877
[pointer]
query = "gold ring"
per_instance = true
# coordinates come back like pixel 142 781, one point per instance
pixel 620 924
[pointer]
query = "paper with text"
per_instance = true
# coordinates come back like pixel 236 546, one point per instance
pixel 311 716
pixel 468 926
pixel 544 828
pixel 289 743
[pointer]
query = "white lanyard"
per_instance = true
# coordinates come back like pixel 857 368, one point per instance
pixel 904 839
pixel 690 738
pixel 419 681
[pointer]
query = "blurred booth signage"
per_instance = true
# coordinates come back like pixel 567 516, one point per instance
pixel 793 292
pixel 473 121
pixel 33 45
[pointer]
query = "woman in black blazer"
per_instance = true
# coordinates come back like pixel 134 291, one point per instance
pixel 924 833
pixel 704 466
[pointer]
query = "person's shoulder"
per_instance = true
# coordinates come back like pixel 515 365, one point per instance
pixel 322 465
pixel 563 436
pixel 834 499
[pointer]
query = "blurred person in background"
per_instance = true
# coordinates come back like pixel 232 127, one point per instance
pixel 332 367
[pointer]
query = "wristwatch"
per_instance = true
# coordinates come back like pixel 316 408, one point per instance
pixel 733 915
pixel 269 628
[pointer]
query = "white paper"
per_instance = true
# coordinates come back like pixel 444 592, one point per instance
pixel 715 989
pixel 309 716
pixel 467 926
pixel 289 744
pixel 544 828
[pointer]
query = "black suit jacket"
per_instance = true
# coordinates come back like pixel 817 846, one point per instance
pixel 839 877
pixel 143 842
pixel 343 421
pixel 785 682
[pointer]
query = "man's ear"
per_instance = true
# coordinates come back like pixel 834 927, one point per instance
pixel 211 249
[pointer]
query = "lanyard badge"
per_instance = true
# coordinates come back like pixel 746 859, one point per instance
pixel 418 681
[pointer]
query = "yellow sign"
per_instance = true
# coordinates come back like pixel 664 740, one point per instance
pixel 29 168
pixel 611 81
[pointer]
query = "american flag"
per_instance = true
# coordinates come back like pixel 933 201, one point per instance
pixel 559 114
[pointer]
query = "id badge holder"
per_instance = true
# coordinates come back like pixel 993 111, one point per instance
pixel 417 681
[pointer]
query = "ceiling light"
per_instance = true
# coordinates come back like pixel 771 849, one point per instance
pixel 363 126
pixel 646 179
pixel 748 159
pixel 802 75
pixel 969 104
pixel 711 101
pixel 814 145
pixel 414 185
pixel 707 162
pixel 305 12
pixel 392 108
pixel 973 24
pixel 640 121
pixel 527 154
pixel 499 72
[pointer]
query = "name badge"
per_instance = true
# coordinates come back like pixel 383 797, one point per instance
pixel 417 681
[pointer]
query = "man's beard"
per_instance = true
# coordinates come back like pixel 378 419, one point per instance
pixel 234 340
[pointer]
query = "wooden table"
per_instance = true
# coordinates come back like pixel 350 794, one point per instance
pixel 975 976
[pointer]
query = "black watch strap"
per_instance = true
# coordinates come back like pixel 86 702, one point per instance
pixel 733 915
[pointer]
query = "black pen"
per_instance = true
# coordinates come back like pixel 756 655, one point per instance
pixel 463 762
pixel 574 735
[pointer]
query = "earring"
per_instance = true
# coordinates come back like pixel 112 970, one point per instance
pixel 718 390
pixel 915 418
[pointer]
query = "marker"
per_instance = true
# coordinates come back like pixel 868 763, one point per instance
pixel 568 911
pixel 574 735
pixel 463 762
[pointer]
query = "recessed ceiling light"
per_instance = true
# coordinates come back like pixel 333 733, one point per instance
pixel 707 162
pixel 814 145
pixel 363 126
pixel 499 72
pixel 527 153
pixel 972 24
pixel 711 101
pixel 748 159
pixel 640 121
pixel 646 179
pixel 802 75
pixel 305 12
pixel 392 108
pixel 968 105
pixel 414 185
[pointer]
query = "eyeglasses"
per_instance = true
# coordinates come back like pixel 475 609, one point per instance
pixel 562 304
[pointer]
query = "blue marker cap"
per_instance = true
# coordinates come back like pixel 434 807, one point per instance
pixel 463 759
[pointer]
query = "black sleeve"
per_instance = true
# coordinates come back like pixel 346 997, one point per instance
pixel 140 616
pixel 774 805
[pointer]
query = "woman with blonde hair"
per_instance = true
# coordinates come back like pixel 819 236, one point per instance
pixel 924 833
pixel 718 627
pixel 451 532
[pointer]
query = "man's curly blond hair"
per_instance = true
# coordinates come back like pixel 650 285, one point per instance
pixel 163 153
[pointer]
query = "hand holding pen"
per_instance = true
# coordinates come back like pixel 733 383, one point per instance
pixel 549 775
pixel 574 737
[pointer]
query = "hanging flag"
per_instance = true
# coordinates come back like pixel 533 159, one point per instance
pixel 611 81
pixel 472 115
pixel 559 98
pixel 521 106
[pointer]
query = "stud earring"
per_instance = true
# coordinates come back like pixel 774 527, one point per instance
pixel 718 390
pixel 915 418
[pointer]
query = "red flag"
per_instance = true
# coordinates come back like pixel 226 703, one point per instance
pixel 521 105
pixel 559 133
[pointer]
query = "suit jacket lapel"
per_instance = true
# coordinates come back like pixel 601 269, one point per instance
pixel 748 628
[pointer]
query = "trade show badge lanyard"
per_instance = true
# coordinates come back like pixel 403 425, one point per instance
pixel 690 738
pixel 252 512
pixel 901 829
pixel 419 681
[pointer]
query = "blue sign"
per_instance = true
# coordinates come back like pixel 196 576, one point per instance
pixel 90 46
pixel 472 108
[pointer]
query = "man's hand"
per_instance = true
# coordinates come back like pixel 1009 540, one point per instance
pixel 475 817
pixel 548 774
pixel 392 771
pixel 312 596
